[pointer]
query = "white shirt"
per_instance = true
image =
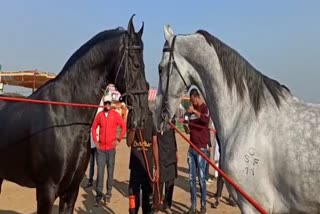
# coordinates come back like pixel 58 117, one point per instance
pixel 91 139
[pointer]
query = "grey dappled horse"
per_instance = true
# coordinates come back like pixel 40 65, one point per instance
pixel 270 139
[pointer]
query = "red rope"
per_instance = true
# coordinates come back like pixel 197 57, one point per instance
pixel 153 180
pixel 81 105
pixel 225 176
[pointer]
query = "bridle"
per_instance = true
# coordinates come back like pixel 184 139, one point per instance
pixel 172 64
pixel 129 93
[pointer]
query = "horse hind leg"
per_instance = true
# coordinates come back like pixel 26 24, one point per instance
pixel 45 199
pixel 68 200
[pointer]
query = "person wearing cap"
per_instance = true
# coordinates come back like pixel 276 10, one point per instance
pixel 108 122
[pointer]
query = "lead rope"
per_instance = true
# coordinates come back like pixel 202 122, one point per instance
pixel 156 184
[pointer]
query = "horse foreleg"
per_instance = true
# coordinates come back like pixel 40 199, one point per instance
pixel 68 200
pixel 45 198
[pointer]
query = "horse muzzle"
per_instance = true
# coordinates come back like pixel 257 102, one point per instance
pixel 136 119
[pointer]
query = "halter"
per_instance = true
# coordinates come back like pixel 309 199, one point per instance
pixel 172 64
pixel 125 59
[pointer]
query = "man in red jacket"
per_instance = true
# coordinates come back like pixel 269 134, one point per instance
pixel 108 122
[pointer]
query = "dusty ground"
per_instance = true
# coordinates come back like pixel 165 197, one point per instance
pixel 16 200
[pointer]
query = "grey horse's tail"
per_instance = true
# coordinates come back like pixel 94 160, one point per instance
pixel 1 180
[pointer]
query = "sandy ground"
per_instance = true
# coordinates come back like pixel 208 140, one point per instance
pixel 16 200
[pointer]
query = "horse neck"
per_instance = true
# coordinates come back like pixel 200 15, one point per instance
pixel 88 71
pixel 84 86
pixel 79 84
pixel 226 108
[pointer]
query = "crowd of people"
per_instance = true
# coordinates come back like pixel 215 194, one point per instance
pixel 153 159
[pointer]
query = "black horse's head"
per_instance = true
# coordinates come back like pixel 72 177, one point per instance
pixel 112 56
pixel 130 77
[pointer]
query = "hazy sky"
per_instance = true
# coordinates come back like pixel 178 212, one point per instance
pixel 280 38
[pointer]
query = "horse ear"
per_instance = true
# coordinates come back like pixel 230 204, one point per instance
pixel 130 26
pixel 168 33
pixel 141 30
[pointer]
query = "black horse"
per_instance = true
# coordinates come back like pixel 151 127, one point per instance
pixel 46 146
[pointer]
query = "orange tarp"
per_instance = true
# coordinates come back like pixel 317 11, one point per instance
pixel 28 79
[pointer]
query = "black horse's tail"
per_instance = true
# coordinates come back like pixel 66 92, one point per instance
pixel 1 180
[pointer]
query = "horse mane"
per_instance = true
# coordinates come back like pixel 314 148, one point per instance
pixel 240 73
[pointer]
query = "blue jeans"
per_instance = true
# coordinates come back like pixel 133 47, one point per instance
pixel 207 167
pixel 208 155
pixel 197 167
